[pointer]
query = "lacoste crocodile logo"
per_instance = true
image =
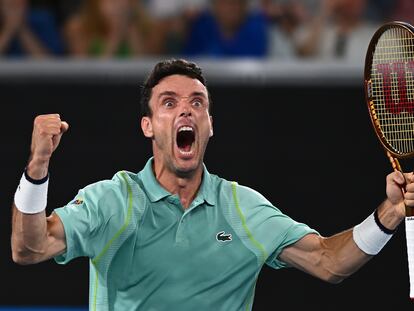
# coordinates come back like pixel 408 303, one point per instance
pixel 223 237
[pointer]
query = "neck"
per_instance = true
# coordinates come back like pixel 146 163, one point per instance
pixel 185 187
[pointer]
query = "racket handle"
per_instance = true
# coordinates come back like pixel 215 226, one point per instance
pixel 394 162
pixel 409 234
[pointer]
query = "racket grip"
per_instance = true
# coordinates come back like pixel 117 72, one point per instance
pixel 409 234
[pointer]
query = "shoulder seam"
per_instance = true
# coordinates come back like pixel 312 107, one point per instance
pixel 124 226
pixel 256 243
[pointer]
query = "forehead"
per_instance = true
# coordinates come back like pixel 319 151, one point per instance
pixel 179 84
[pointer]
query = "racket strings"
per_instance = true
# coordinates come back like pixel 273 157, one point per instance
pixel 392 88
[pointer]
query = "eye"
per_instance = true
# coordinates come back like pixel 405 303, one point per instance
pixel 197 103
pixel 168 103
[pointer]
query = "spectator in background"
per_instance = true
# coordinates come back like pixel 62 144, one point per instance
pixel 285 17
pixel 379 10
pixel 171 20
pixel 28 31
pixel 338 31
pixel 109 28
pixel 403 11
pixel 229 28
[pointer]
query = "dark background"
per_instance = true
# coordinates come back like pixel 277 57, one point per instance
pixel 309 149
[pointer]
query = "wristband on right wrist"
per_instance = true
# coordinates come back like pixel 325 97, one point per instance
pixel 31 194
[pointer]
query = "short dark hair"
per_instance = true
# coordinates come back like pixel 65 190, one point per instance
pixel 164 69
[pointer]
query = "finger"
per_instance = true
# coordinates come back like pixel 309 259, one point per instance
pixel 409 195
pixel 397 178
pixel 56 140
pixel 52 116
pixel 409 203
pixel 409 177
pixel 44 117
pixel 410 187
pixel 64 126
pixel 51 129
pixel 44 120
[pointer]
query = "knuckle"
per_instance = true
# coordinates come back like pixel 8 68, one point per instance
pixel 38 119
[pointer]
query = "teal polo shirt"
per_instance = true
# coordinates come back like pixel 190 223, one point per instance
pixel 148 253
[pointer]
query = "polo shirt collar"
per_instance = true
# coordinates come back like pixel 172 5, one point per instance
pixel 156 192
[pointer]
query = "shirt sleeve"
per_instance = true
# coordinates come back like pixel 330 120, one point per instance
pixel 293 233
pixel 91 217
pixel 272 229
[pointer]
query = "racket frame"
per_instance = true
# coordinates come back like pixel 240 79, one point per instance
pixel 368 92
pixel 391 154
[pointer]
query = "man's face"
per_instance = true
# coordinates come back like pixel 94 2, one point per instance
pixel 180 125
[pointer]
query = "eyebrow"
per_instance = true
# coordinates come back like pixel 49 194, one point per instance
pixel 167 93
pixel 172 93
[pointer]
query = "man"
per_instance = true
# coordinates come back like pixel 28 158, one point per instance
pixel 28 30
pixel 174 236
pixel 229 28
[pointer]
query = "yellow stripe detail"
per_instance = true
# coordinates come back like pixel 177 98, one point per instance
pixel 258 245
pixel 243 220
pixel 111 241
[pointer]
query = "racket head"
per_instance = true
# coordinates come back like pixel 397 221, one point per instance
pixel 389 87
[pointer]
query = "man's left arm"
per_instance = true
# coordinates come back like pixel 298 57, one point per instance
pixel 336 257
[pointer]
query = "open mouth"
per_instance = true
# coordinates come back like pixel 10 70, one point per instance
pixel 185 139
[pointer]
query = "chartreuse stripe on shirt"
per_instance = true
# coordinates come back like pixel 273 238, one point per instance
pixel 148 253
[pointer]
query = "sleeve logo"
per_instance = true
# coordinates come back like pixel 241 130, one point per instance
pixel 77 201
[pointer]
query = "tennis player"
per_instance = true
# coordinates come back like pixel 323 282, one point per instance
pixel 174 236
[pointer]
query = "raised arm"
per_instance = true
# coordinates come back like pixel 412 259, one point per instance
pixel 36 237
pixel 334 258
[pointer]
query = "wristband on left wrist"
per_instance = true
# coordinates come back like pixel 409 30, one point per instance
pixel 381 226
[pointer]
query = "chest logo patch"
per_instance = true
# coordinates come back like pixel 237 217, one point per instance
pixel 223 237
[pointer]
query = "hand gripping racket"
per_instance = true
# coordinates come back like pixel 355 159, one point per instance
pixel 389 90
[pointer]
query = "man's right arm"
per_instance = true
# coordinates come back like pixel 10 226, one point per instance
pixel 35 237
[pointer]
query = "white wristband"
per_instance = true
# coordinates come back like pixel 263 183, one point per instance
pixel 369 237
pixel 31 198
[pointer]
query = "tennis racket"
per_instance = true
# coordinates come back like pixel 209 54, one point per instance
pixel 389 90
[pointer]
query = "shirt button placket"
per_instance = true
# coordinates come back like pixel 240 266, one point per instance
pixel 181 238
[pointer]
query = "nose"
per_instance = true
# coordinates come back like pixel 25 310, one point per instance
pixel 186 111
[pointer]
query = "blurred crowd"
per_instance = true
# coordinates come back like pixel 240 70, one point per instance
pixel 283 29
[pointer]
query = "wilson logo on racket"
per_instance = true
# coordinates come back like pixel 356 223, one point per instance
pixel 397 96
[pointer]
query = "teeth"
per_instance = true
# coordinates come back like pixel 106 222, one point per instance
pixel 185 152
pixel 185 128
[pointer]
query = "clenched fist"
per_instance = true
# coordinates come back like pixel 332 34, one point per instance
pixel 47 132
pixel 400 193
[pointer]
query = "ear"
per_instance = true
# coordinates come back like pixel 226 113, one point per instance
pixel 211 126
pixel 146 127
